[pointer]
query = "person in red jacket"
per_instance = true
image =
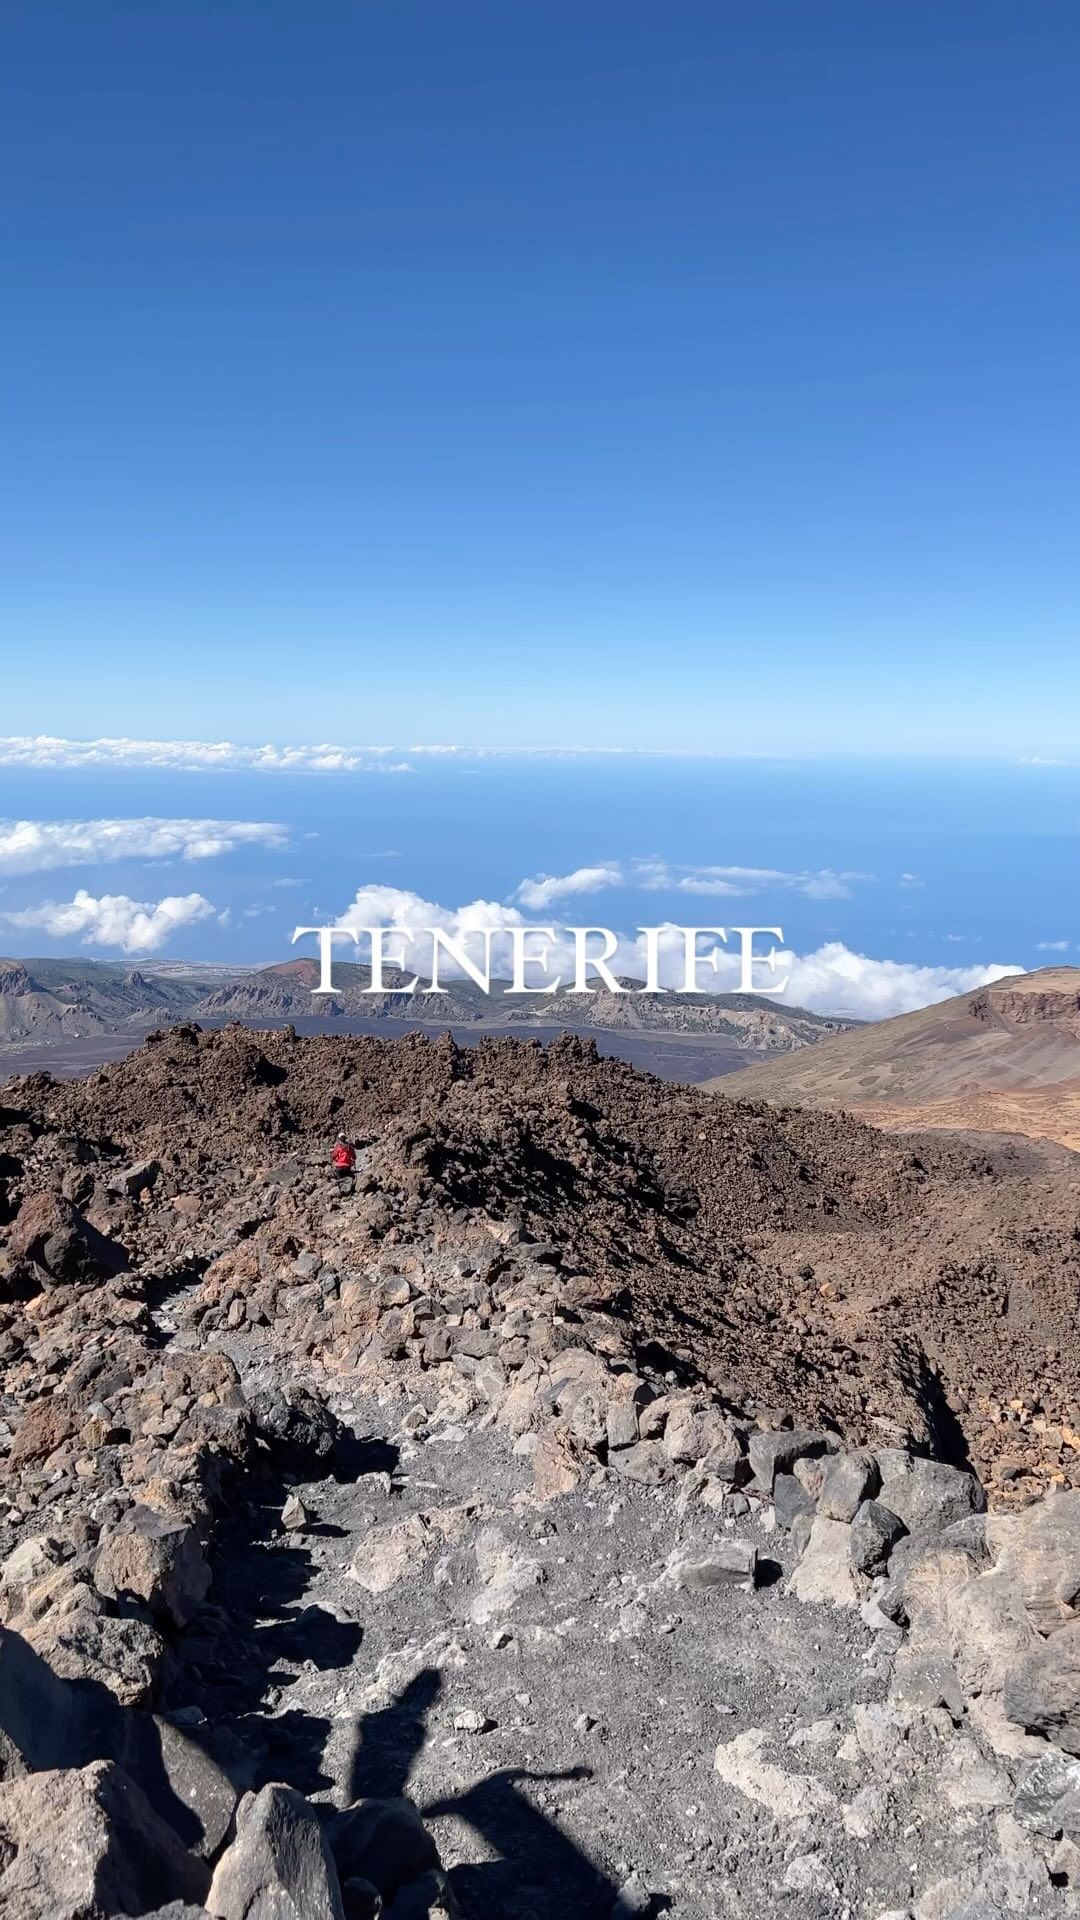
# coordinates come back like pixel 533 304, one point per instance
pixel 343 1158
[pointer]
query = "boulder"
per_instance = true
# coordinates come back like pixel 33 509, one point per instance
pixel 182 1782
pixel 777 1452
pixel 384 1842
pixel 1048 1796
pixel 874 1533
pixel 278 1865
pixel 1042 1692
pixel 125 1656
pixel 927 1495
pixel 825 1573
pixel 647 1463
pixel 695 1430
pixel 791 1500
pixel 428 1898
pixel 44 1427
pixel 51 1723
pixel 847 1480
pixel 300 1432
pixel 136 1179
pixel 61 1243
pixel 1038 1552
pixel 158 1559
pixel 85 1840
pixel 621 1425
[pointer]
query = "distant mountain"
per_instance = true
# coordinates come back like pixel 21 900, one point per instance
pixel 284 993
pixel 1005 1058
pixel 42 1001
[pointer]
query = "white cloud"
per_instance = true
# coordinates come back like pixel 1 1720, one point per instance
pixel 655 875
pixel 1053 946
pixel 114 920
pixel 36 846
pixel 193 756
pixel 832 979
pixel 547 887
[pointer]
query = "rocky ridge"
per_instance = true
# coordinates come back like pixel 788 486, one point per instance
pixel 546 1311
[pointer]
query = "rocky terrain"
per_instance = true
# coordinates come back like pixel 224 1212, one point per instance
pixel 47 1002
pixel 609 1501
pixel 1005 1059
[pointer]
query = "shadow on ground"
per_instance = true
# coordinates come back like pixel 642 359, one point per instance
pixel 540 1874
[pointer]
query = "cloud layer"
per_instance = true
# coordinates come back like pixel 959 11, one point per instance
pixel 36 846
pixel 665 876
pixel 193 756
pixel 832 979
pixel 115 920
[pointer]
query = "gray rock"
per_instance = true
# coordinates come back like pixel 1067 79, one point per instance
pixel 799 1536
pixel 52 1723
pixel 647 1463
pixel 824 1574
pixel 791 1500
pixel 927 1681
pixel 1042 1693
pixel 428 1898
pixel 633 1899
pixel 278 1866
pixel 927 1495
pixel 773 1453
pixel 136 1179
pixel 125 1656
pixel 1048 1795
pixel 874 1533
pixel 181 1780
pixel 731 1563
pixel 847 1480
pixel 294 1515
pixel 384 1842
pixel 86 1840
pixel 300 1431
pixel 622 1425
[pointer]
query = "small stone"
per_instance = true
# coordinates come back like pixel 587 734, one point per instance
pixel 294 1515
pixel 471 1720
pixel 633 1899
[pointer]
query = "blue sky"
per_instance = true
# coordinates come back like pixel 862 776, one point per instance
pixel 696 377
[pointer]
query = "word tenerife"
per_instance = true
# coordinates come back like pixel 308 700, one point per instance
pixel 673 952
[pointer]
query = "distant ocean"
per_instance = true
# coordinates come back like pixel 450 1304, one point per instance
pixel 943 865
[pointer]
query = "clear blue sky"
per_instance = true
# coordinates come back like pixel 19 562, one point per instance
pixel 513 372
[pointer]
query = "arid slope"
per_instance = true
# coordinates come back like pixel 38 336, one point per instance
pixel 1005 1059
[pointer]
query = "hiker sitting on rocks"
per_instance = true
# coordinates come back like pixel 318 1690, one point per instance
pixel 343 1159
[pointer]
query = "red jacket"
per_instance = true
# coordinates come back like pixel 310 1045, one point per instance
pixel 344 1158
